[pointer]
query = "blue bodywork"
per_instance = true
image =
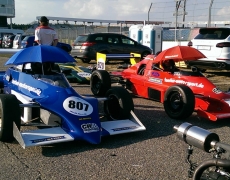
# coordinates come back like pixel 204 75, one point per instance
pixel 37 85
pixel 75 111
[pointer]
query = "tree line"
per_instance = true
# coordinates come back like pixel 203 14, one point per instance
pixel 19 26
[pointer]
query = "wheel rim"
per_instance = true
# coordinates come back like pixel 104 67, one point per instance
pixel 175 102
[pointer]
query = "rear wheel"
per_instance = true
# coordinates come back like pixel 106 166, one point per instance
pixel 179 102
pixel 9 113
pixel 119 103
pixel 100 82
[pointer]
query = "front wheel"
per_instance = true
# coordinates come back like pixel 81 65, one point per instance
pixel 9 113
pixel 179 102
pixel 119 103
pixel 100 82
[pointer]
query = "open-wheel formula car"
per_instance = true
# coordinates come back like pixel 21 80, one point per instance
pixel 33 94
pixel 75 73
pixel 182 92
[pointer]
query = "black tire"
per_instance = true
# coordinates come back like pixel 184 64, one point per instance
pixel 86 60
pixel 119 103
pixel 9 112
pixel 179 102
pixel 100 82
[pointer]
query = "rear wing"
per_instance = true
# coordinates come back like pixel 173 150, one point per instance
pixel 101 58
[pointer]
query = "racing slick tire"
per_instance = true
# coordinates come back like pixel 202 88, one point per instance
pixel 100 82
pixel 119 103
pixel 9 113
pixel 179 102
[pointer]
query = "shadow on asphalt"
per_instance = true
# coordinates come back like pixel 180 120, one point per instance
pixel 218 73
pixel 157 124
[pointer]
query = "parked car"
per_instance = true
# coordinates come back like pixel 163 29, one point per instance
pixel 8 41
pixel 85 47
pixel 17 41
pixel 214 43
pixel 29 41
pixel 1 38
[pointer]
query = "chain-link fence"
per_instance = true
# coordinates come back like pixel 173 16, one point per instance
pixel 67 33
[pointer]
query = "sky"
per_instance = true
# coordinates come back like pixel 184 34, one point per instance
pixel 153 10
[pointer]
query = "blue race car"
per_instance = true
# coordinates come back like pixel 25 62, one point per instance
pixel 34 93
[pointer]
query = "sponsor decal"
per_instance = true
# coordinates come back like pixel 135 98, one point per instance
pixel 48 139
pixel 172 56
pixel 155 74
pixel 77 106
pixel 155 80
pixel 84 74
pixel 216 91
pixel 179 81
pixel 90 127
pixel 85 118
pixel 101 64
pixel 124 128
pixel 25 86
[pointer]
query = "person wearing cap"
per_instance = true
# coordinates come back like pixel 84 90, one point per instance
pixel 45 35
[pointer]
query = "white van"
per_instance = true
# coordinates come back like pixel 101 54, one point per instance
pixel 214 43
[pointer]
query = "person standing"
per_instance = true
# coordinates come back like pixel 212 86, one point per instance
pixel 45 35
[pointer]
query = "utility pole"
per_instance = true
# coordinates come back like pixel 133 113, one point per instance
pixel 184 13
pixel 178 13
pixel 149 11
pixel 209 13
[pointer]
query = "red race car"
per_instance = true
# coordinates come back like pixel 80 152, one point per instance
pixel 181 92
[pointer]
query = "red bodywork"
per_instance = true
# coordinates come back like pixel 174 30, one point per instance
pixel 210 102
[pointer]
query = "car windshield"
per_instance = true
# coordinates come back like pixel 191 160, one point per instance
pixel 55 80
pixel 213 33
pixel 81 39
pixel 26 38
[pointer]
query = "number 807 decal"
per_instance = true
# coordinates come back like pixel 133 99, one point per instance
pixel 77 106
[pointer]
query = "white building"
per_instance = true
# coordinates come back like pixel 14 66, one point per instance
pixel 7 10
